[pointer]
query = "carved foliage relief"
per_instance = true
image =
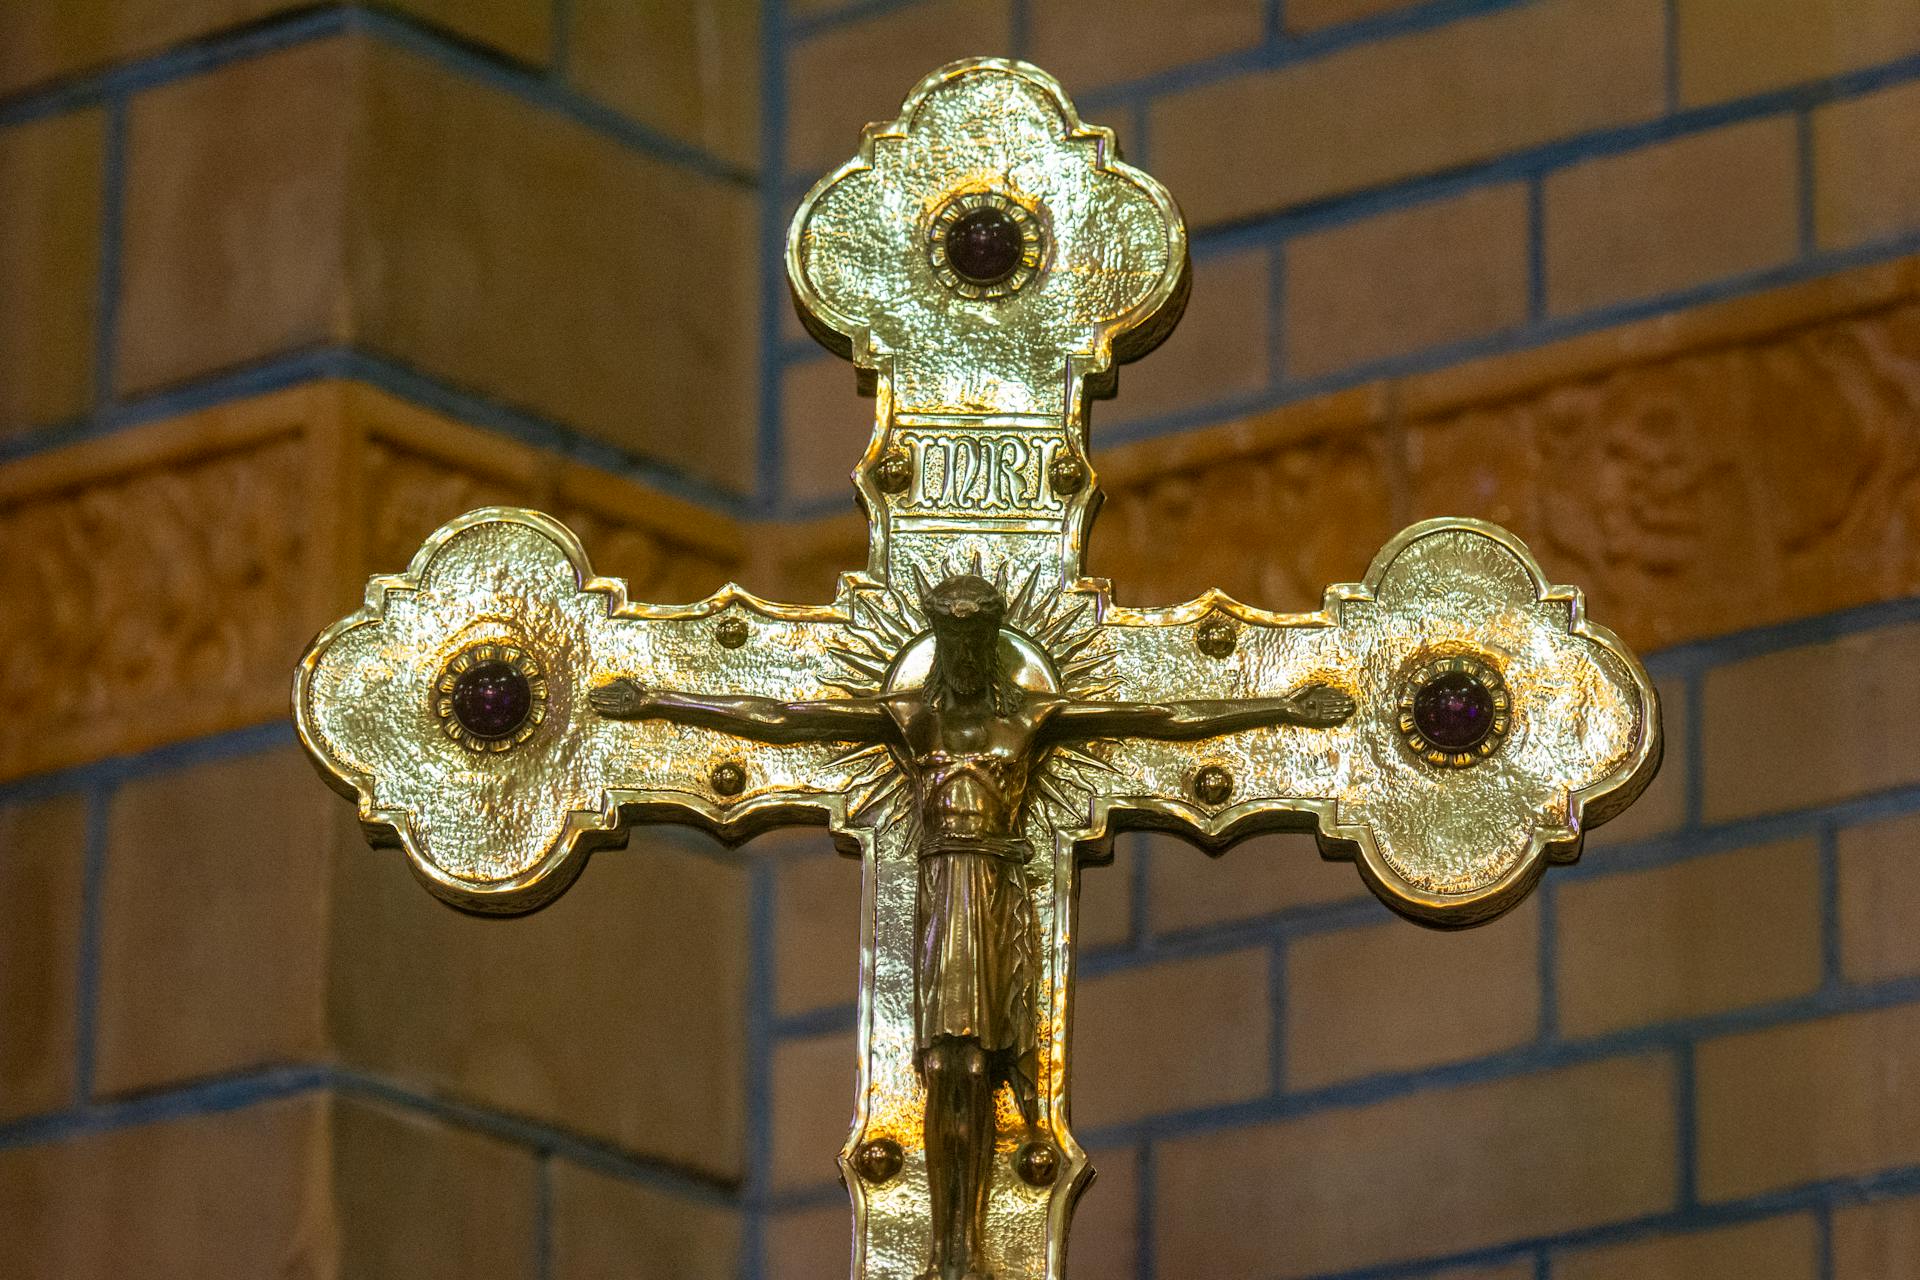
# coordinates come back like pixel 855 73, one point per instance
pixel 1691 495
pixel 1715 490
pixel 153 602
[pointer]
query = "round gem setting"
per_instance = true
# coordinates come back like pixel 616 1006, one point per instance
pixel 982 244
pixel 491 697
pixel 1455 710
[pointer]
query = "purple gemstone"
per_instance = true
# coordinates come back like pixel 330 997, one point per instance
pixel 1453 711
pixel 491 699
pixel 984 245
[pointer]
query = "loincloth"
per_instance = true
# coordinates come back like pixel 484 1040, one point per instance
pixel 974 963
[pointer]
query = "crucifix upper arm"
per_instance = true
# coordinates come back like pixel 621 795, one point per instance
pixel 764 719
pixel 1315 705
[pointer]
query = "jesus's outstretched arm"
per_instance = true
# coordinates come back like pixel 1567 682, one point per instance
pixel 1313 706
pixel 764 719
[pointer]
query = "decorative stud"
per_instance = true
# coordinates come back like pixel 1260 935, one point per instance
pixel 1038 1164
pixel 731 633
pixel 982 244
pixel 879 1160
pixel 1213 784
pixel 728 779
pixel 491 697
pixel 1455 710
pixel 1066 475
pixel 1216 637
pixel 894 472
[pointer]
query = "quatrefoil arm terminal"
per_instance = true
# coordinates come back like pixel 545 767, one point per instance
pixel 1493 723
pixel 456 708
pixel 988 251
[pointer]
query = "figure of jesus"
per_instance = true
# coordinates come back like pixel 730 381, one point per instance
pixel 969 738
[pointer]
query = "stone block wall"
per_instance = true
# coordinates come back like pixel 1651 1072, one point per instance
pixel 284 286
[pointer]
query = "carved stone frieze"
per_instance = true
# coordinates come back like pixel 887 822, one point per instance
pixel 160 584
pixel 149 605
pixel 1758 464
pixel 1719 489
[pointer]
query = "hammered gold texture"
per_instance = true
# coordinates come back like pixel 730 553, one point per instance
pixel 983 397
pixel 857 261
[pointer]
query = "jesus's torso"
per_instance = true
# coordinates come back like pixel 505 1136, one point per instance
pixel 969 770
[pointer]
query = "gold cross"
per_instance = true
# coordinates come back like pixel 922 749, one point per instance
pixel 970 715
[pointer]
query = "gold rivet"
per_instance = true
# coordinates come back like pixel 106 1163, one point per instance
pixel 1216 637
pixel 895 472
pixel 731 632
pixel 1213 784
pixel 728 779
pixel 1038 1164
pixel 879 1160
pixel 1066 475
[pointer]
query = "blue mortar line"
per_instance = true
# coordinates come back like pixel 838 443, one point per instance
pixel 543 1218
pixel 1811 1197
pixel 1276 315
pixel 560 55
pixel 1139 890
pixel 113 770
pixel 277 733
pixel 113 187
pixel 1666 849
pixel 295 368
pixel 1137 430
pixel 576 1148
pixel 828 1019
pixel 86 1006
pixel 277 34
pixel 209 1097
pixel 1693 752
pixel 771 452
pixel 245 1088
pixel 819 1196
pixel 1542 1267
pixel 1549 898
pixel 1020 29
pixel 1672 19
pixel 1526 1060
pixel 807 25
pixel 1277 1038
pixel 189 59
pixel 1536 251
pixel 1686 1092
pixel 1823 1242
pixel 1146 1195
pixel 761 977
pixel 540 90
pixel 1695 656
pixel 1804 176
pixel 1529 162
pixel 1138 145
pixel 1832 971
pixel 1273 21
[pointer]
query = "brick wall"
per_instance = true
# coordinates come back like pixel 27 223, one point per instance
pixel 283 286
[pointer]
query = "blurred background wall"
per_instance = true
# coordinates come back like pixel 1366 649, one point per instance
pixel 282 287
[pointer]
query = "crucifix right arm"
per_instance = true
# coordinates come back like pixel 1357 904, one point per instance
pixel 764 719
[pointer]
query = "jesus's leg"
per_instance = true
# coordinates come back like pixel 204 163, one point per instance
pixel 945 1138
pixel 978 1108
pixel 960 1131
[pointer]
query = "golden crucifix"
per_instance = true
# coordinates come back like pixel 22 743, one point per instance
pixel 972 716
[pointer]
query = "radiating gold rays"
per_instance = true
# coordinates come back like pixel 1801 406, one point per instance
pixel 1065 629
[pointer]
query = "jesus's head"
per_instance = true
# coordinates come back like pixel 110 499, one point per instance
pixel 965 612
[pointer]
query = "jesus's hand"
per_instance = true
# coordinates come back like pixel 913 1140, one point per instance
pixel 621 699
pixel 1322 705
